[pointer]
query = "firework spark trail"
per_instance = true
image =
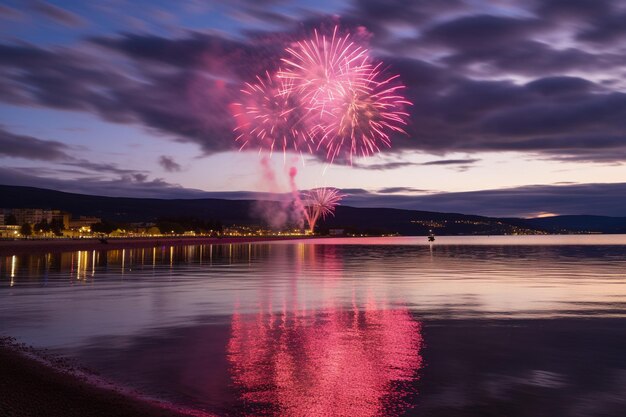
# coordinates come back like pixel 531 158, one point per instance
pixel 320 202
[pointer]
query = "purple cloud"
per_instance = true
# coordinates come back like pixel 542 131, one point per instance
pixel 168 164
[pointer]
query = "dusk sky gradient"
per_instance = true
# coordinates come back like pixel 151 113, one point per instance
pixel 519 106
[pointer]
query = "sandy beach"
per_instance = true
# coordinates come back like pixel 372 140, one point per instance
pixel 34 385
pixel 19 247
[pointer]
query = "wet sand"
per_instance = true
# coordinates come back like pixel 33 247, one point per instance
pixel 19 247
pixel 31 386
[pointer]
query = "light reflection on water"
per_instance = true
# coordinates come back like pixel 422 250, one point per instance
pixel 335 361
pixel 375 327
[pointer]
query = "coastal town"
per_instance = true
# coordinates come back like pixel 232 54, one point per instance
pixel 31 223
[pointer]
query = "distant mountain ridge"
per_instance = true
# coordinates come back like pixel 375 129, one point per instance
pixel 580 223
pixel 359 220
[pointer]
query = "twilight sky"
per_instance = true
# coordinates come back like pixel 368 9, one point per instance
pixel 519 105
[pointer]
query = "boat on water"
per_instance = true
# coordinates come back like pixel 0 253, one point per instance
pixel 431 236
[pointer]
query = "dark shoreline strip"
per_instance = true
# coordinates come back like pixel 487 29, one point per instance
pixel 33 386
pixel 20 247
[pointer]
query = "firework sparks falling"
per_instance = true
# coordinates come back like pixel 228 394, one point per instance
pixel 270 116
pixel 320 202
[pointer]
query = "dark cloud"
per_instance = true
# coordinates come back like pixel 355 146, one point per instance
pixel 452 162
pixel 395 190
pixel 464 163
pixel 28 147
pixel 58 14
pixel 601 21
pixel 214 54
pixel 609 28
pixel 103 168
pixel 183 104
pixel 399 11
pixel 592 112
pixel 466 87
pixel 380 17
pixel 262 12
pixel 8 12
pixel 560 85
pixel 140 177
pixel 566 145
pixel 168 164
pixel 479 32
pixel 135 185
pixel 472 116
pixel 385 165
pixel 354 191
pixel 579 9
pixel 532 58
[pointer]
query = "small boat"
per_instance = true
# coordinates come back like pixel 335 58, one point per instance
pixel 104 241
pixel 431 236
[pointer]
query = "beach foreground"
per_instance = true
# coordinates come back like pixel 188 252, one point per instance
pixel 31 387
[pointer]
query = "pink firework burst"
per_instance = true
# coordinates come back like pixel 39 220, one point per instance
pixel 360 122
pixel 328 98
pixel 323 68
pixel 352 106
pixel 320 202
pixel 270 116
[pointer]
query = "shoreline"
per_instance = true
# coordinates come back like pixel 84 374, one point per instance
pixel 22 247
pixel 33 383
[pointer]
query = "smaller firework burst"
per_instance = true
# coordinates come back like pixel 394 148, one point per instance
pixel 320 202
pixel 270 117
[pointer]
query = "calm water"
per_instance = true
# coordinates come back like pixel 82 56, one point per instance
pixel 484 326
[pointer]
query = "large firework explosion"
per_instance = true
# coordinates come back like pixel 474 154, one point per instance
pixel 329 97
pixel 320 202
pixel 352 106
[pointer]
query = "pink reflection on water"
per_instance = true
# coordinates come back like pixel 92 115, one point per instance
pixel 335 361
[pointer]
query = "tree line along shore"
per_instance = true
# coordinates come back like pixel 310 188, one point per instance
pixel 28 246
